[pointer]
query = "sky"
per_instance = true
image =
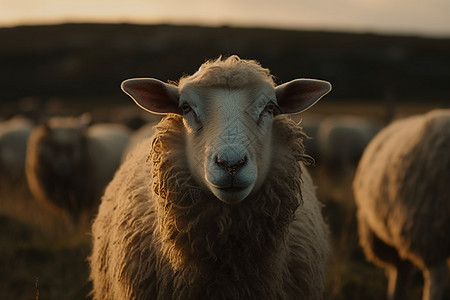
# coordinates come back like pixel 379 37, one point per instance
pixel 417 17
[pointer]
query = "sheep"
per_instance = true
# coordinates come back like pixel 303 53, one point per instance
pixel 14 134
pixel 310 125
pixel 403 200
pixel 341 142
pixel 69 163
pixel 146 131
pixel 218 203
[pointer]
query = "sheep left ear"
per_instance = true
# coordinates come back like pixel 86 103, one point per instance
pixel 298 95
pixel 84 120
pixel 153 95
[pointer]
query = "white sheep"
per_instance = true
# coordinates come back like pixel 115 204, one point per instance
pixel 310 125
pixel 218 204
pixel 14 134
pixel 342 140
pixel 402 193
pixel 69 163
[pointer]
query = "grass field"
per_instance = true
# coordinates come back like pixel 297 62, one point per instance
pixel 43 257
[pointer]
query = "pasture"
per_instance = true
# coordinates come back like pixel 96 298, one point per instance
pixel 43 257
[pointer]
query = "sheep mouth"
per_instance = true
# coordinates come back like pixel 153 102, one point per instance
pixel 230 187
pixel 231 194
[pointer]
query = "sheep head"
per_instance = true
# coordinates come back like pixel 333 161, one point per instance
pixel 61 144
pixel 227 115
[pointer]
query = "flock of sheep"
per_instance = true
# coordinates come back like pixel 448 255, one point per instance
pixel 216 202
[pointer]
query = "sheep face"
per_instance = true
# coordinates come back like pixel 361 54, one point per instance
pixel 61 149
pixel 228 137
pixel 60 145
pixel 228 122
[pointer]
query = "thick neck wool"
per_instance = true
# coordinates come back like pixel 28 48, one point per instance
pixel 208 238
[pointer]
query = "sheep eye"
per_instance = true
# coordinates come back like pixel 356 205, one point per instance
pixel 185 107
pixel 271 108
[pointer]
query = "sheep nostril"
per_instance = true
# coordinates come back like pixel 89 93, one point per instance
pixel 241 162
pixel 231 168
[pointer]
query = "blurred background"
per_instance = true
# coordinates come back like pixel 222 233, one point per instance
pixel 385 59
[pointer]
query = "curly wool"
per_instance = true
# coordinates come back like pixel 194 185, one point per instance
pixel 164 237
pixel 231 72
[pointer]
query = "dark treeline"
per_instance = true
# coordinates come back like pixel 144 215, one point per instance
pixel 86 61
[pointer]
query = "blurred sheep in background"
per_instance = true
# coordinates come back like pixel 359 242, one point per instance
pixel 342 140
pixel 14 134
pixel 69 163
pixel 310 124
pixel 402 192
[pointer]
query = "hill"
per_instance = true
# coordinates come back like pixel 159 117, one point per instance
pixel 85 61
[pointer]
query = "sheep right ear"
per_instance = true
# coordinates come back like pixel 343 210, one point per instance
pixel 298 95
pixel 153 95
pixel 84 120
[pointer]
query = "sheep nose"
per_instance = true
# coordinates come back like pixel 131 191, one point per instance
pixel 231 167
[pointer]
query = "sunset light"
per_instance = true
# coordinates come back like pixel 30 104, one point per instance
pixel 177 149
pixel 413 17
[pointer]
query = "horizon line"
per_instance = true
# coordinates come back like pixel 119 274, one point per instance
pixel 237 25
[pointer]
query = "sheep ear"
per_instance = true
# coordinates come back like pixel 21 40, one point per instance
pixel 84 120
pixel 298 95
pixel 45 127
pixel 153 95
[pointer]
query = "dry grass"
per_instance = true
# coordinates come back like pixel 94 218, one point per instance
pixel 41 256
pixel 349 275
